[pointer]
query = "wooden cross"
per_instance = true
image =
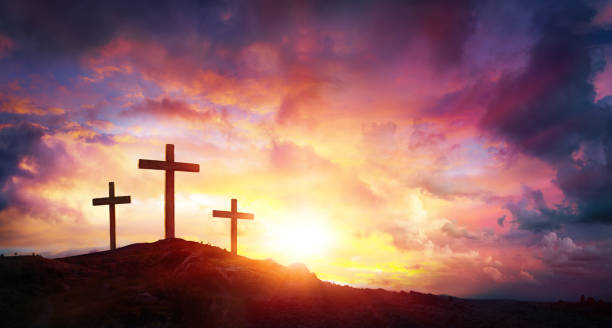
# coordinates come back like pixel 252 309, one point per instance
pixel 234 215
pixel 111 200
pixel 169 165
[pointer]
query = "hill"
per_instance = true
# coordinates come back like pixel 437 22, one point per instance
pixel 177 283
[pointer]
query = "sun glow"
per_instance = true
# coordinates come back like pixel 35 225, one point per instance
pixel 302 239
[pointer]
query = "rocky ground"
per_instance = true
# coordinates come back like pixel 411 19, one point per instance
pixel 176 283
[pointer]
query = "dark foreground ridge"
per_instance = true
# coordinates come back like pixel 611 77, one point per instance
pixel 174 282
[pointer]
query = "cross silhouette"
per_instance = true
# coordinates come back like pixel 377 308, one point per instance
pixel 111 200
pixel 234 215
pixel 169 165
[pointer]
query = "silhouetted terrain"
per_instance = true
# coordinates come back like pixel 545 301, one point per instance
pixel 179 283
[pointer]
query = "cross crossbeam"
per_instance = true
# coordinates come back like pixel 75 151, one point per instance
pixel 163 165
pixel 170 166
pixel 234 215
pixel 111 201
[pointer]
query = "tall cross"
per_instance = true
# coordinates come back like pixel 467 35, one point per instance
pixel 234 215
pixel 169 165
pixel 111 200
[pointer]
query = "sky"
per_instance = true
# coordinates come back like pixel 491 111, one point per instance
pixel 447 147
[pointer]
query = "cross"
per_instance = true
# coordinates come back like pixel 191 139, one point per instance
pixel 234 215
pixel 111 200
pixel 169 165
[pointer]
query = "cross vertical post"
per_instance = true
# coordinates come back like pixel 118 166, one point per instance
pixel 234 228
pixel 169 165
pixel 111 210
pixel 169 195
pixel 234 215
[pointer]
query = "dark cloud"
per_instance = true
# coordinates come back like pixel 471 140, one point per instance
pixel 443 25
pixel 532 213
pixel 17 143
pixel 548 110
pixel 459 104
pixel 390 27
pixel 374 32
pixel 500 220
pixel 5 45
pixel 570 269
pixel 564 256
pixel 27 160
pixel 73 26
pixel 52 124
pixel 70 27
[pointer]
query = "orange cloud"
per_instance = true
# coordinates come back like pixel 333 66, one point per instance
pixel 21 105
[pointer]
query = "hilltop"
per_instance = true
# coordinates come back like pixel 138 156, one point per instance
pixel 174 282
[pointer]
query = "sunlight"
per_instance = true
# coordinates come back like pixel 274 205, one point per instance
pixel 302 238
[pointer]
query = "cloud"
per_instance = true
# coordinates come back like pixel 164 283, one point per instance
pixel 29 160
pixel 169 109
pixel 449 186
pixel 71 27
pixel 243 53
pixel 100 125
pixel 87 134
pixel 532 213
pixel 24 106
pixel 456 231
pixel 604 14
pixel 564 256
pixel 5 45
pixel 380 138
pixel 548 110
pixel 493 273
pixel 588 182
pixel 444 26
pixel 23 154
pixel 303 102
pixel 301 170
pixel 423 136
pixel 526 276
pixel 287 156
pixel 500 220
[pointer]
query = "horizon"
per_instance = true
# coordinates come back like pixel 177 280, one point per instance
pixel 76 253
pixel 459 148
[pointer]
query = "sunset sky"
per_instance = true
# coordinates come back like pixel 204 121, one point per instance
pixel 449 147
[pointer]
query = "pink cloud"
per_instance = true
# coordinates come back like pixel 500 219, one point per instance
pixel 493 273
